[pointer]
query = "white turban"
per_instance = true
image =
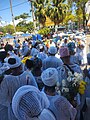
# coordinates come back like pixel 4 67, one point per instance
pixel 50 76
pixel 28 101
pixel 52 50
pixel 14 61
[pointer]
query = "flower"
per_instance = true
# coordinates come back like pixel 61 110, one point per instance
pixel 70 73
pixel 75 74
pixel 73 85
pixel 63 82
pixel 65 90
pixel 81 91
pixel 82 87
pixel 25 58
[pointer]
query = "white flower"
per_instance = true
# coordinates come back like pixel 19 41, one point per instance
pixel 65 89
pixel 59 92
pixel 69 79
pixel 81 76
pixel 74 84
pixel 69 73
pixel 58 84
pixel 63 82
pixel 75 74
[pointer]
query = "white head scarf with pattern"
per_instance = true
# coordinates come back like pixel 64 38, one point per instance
pixel 28 104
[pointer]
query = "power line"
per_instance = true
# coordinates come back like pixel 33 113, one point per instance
pixel 14 6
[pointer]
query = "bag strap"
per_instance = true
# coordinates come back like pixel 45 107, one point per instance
pixel 27 80
pixel 69 68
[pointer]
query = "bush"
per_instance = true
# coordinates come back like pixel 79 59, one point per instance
pixel 44 31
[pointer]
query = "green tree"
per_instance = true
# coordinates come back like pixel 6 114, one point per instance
pixel 9 29
pixel 23 25
pixel 40 11
pixel 2 30
pixel 24 16
pixel 56 10
pixel 30 27
pixel 80 5
pixel 44 31
pixel 69 16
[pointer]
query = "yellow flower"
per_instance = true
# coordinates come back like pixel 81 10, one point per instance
pixel 81 91
pixel 83 82
pixel 82 87
pixel 25 58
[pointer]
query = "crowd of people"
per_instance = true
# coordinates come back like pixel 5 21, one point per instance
pixel 31 75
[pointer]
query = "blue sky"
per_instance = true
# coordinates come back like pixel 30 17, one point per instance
pixel 21 6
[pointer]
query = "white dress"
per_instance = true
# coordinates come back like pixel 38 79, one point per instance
pixel 51 61
pixel 9 86
pixel 62 109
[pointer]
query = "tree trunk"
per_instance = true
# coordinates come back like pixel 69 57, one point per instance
pixel 84 17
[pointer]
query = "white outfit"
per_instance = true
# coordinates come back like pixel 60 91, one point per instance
pixel 51 61
pixel 34 52
pixel 62 109
pixel 28 104
pixel 9 86
pixel 42 55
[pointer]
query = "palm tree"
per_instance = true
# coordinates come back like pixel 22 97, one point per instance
pixel 56 11
pixel 40 11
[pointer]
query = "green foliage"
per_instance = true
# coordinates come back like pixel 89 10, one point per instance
pixel 80 10
pixel 9 29
pixel 23 16
pixel 40 11
pixel 30 27
pixel 24 27
pixel 2 30
pixel 69 17
pixel 44 31
pixel 56 10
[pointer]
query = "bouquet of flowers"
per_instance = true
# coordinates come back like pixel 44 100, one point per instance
pixel 73 85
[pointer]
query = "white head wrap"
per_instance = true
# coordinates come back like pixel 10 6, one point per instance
pixel 17 61
pixel 50 76
pixel 52 50
pixel 29 102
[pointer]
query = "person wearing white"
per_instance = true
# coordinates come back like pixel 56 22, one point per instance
pixel 59 106
pixel 12 82
pixel 29 104
pixel 51 61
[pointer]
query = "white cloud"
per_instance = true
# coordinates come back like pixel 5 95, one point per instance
pixel 3 23
pixel 16 21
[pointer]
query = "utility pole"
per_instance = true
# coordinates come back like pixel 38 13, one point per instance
pixel 12 16
pixel 33 15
